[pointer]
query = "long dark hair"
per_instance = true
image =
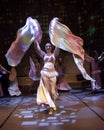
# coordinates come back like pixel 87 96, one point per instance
pixel 38 59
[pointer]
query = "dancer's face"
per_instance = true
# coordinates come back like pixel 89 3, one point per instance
pixel 48 47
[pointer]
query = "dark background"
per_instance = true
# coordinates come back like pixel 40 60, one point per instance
pixel 85 18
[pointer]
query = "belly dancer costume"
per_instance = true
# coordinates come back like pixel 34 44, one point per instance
pixel 47 93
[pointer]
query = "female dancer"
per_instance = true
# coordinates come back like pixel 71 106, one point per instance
pixel 95 70
pixel 46 93
pixel 13 88
pixel 34 73
pixel 62 85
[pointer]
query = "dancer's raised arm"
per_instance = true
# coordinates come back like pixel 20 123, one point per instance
pixel 101 57
pixel 56 51
pixel 38 49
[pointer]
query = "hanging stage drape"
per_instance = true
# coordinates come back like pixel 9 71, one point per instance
pixel 25 36
pixel 62 37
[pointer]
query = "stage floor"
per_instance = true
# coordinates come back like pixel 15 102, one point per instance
pixel 76 110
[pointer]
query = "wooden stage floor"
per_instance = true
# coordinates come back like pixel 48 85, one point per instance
pixel 77 110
